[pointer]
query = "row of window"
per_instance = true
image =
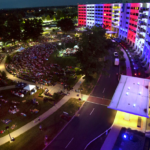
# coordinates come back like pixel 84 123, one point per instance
pixel 136 8
pixel 133 25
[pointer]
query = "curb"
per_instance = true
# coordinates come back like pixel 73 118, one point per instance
pixel 96 138
pixel 95 85
pixel 63 127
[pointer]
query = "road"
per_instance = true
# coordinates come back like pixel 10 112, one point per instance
pixel 91 121
pixel 106 85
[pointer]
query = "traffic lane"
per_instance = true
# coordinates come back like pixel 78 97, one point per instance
pixel 102 118
pixel 84 128
pixel 113 83
pixel 100 86
pixel 106 84
pixel 68 133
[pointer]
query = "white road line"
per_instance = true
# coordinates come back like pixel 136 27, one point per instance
pixel 92 111
pixel 104 90
pixel 69 143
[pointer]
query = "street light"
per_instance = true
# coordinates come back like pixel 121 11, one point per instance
pixel 11 138
pixel 81 93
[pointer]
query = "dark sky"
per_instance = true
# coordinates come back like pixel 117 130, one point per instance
pixel 38 3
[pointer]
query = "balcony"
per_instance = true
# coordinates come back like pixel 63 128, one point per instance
pixel 143 9
pixel 141 29
pixel 143 16
pixel 142 23
pixel 141 36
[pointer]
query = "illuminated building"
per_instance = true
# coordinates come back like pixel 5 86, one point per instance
pixel 129 22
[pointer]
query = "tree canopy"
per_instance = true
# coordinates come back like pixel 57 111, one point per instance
pixel 14 29
pixel 93 49
pixel 66 24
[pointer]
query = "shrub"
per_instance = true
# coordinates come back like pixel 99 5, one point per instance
pixel 4 75
pixel 56 96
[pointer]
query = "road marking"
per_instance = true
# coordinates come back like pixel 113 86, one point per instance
pixel 69 143
pixel 92 111
pixel 97 103
pixel 104 90
pixel 100 97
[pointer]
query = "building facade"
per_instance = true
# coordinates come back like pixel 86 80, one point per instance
pixel 130 21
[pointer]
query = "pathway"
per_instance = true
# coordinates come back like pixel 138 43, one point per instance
pixel 99 100
pixel 128 66
pixel 111 139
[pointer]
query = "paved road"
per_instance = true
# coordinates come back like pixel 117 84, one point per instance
pixel 92 120
pixel 107 84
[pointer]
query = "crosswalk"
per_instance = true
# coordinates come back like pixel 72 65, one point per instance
pixel 99 100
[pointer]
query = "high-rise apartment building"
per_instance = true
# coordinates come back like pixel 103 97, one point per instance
pixel 130 21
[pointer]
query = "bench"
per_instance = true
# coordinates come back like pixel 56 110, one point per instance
pixel 139 122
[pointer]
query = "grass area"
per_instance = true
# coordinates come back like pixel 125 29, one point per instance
pixel 34 138
pixel 17 118
pixel 62 61
pixel 88 86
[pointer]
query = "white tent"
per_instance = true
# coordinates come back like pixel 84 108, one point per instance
pixel 21 49
pixel 76 46
pixel 29 87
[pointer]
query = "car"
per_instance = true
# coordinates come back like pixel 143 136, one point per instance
pixel 115 54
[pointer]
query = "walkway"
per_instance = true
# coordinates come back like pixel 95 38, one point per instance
pixel 99 100
pixel 31 124
pixel 128 66
pixel 111 139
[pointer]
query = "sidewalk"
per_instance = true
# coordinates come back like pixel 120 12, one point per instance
pixel 128 66
pixel 111 138
pixel 43 116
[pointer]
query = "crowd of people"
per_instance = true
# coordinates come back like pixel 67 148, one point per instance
pixel 68 40
pixel 32 65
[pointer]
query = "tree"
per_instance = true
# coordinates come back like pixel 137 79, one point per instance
pixel 8 59
pixel 93 49
pixel 66 24
pixel 48 17
pixel 43 17
pixel 54 17
pixel 3 75
pixel 56 96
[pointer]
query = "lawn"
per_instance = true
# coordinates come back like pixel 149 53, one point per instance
pixel 88 86
pixel 17 118
pixel 62 61
pixel 34 138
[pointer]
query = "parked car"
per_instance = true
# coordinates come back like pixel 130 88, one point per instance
pixel 115 54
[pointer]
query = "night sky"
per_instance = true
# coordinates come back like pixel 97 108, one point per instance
pixel 40 3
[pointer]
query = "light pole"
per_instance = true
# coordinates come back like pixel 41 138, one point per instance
pixel 11 138
pixel 81 93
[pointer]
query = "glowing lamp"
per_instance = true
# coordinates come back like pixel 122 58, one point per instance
pixel 138 83
pixel 128 88
pixel 127 93
pixel 139 93
pixel 135 74
pixel 125 136
pixel 134 105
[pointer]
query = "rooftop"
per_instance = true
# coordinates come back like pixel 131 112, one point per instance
pixel 131 96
